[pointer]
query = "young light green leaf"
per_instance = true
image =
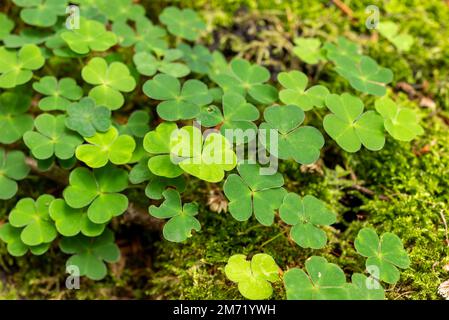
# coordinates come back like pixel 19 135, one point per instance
pixel 110 81
pixel 105 147
pixel 350 127
pixel 60 93
pixel 99 190
pixel 33 217
pixel 183 23
pixel 182 217
pixel 385 255
pixel 401 123
pixel 295 93
pixel 364 288
pixel 16 67
pixel 308 50
pixel 148 65
pixel 41 13
pixel 254 278
pixel 250 192
pixel 90 255
pixel 15 246
pixel 390 30
pixel 52 138
pixel 6 25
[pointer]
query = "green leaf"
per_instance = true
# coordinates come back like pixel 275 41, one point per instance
pixel 247 78
pixel 26 36
pixel 100 191
pixel 251 192
pixel 91 36
pixel 350 127
pixel 90 255
pixel 302 144
pixel 150 38
pixel 323 281
pixel 184 23
pixel 178 103
pixel 198 57
pixel 110 81
pixel 308 50
pixel 14 121
pixel 306 215
pixel 401 123
pixel 206 159
pixel 390 30
pixel 33 217
pixel 60 93
pixel 12 169
pixel 148 65
pixel 105 147
pixel 237 113
pixel 182 217
pixel 87 119
pixel 253 277
pixel 6 25
pixel 138 124
pixel 121 10
pixel 364 288
pixel 52 138
pixel 16 67
pixel 15 246
pixel 42 13
pixel 70 222
pixel 385 255
pixel 365 75
pixel 344 50
pixel 295 92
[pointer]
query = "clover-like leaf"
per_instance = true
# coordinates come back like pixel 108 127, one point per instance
pixel 401 123
pixel 390 30
pixel 323 281
pixel 251 192
pixel 16 67
pixel 70 222
pixel 138 124
pixel 178 103
pixel 26 36
pixel 247 78
pixel 295 93
pixel 385 255
pixel 110 81
pixel 91 36
pixel 309 50
pixel 365 75
pixel 343 50
pixel 206 159
pixel 149 37
pixel 60 93
pixel 301 143
pixel 14 121
pixel 254 278
pixel 86 118
pixel 52 138
pixel 148 65
pixel 364 288
pixel 182 217
pixel 6 25
pixel 33 217
pixel 156 184
pixel 350 127
pixel 12 169
pixel 157 143
pixel 99 190
pixel 105 147
pixel 15 246
pixel 41 13
pixel 306 215
pixel 183 23
pixel 121 10
pixel 90 254
pixel 198 57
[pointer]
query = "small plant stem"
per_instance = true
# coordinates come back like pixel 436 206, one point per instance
pixel 274 238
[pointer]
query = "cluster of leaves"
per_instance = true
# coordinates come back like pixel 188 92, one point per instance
pixel 320 279
pixel 78 123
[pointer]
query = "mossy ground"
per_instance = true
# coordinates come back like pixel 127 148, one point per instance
pixel 408 182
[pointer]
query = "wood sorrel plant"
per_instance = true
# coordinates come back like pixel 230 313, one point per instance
pixel 77 127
